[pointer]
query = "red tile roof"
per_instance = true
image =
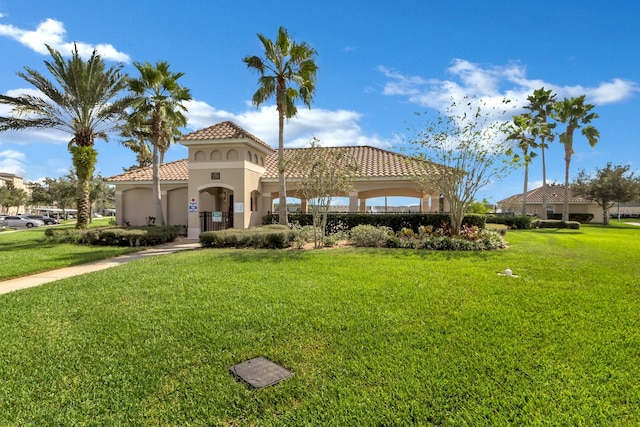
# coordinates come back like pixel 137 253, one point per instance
pixel 174 171
pixel 555 194
pixel 224 130
pixel 372 163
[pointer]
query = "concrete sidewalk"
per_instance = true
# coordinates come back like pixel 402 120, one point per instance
pixel 62 273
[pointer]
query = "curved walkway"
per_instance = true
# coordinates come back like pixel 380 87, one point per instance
pixel 62 273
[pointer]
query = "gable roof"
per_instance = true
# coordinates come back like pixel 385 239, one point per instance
pixel 174 171
pixel 372 163
pixel 555 194
pixel 221 131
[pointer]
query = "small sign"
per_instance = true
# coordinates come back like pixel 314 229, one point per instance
pixel 215 175
pixel 238 207
pixel 216 216
pixel 193 207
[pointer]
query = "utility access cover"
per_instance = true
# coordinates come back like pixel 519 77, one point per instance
pixel 259 372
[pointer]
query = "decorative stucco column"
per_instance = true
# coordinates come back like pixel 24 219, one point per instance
pixel 353 201
pixel 303 205
pixel 363 206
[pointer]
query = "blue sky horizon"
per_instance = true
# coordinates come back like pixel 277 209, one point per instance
pixel 379 64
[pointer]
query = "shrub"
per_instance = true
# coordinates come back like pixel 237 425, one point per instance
pixel 114 236
pixel 583 218
pixel 515 222
pixel 269 237
pixel 555 223
pixel 394 221
pixel 370 236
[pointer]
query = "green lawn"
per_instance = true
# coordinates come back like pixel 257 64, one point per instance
pixel 25 252
pixel 373 337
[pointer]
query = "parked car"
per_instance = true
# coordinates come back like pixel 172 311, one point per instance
pixel 46 219
pixel 20 221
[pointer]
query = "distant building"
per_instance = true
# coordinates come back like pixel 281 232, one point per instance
pixel 18 182
pixel 555 203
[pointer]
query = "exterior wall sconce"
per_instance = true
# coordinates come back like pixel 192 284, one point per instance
pixel 224 195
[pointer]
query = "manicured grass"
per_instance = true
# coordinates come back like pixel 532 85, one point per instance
pixel 373 337
pixel 25 252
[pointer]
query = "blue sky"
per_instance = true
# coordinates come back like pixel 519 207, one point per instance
pixel 379 63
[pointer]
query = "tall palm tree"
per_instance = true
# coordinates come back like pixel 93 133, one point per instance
pixel 540 107
pixel 575 114
pixel 288 71
pixel 158 110
pixel 520 131
pixel 84 100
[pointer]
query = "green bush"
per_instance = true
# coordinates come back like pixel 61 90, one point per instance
pixel 396 221
pixel 582 218
pixel 114 236
pixel 267 237
pixel 555 223
pixel 370 236
pixel 514 222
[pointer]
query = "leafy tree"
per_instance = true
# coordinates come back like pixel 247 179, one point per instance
pixel 469 145
pixel 520 131
pixel 40 195
pixel 326 173
pixel 12 197
pixel 84 100
pixel 288 71
pixel 575 114
pixel 540 107
pixel 136 139
pixel 158 115
pixel 608 186
pixel 477 207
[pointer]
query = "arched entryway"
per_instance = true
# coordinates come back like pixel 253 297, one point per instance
pixel 215 207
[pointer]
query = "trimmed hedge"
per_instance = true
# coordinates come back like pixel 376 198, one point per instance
pixel 114 236
pixel 555 223
pixel 396 222
pixel 582 218
pixel 515 222
pixel 267 237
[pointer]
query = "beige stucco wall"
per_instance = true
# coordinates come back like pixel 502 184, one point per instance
pixel 223 176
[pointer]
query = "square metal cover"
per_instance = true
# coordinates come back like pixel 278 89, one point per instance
pixel 259 372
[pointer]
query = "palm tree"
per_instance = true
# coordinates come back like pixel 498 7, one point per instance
pixel 575 114
pixel 84 101
pixel 520 131
pixel 540 108
pixel 158 113
pixel 287 72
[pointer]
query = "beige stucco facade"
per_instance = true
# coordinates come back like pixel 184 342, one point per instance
pixel 231 172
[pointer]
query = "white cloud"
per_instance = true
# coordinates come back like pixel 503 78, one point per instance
pixel 332 127
pixel 53 33
pixel 12 161
pixel 492 84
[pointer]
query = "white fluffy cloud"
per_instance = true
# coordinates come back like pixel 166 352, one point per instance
pixel 53 33
pixel 331 127
pixel 492 84
pixel 12 161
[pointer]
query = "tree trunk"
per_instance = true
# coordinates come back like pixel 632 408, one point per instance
pixel 84 161
pixel 524 190
pixel 544 183
pixel 282 199
pixel 157 196
pixel 567 161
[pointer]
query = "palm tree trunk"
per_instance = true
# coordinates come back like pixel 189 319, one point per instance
pixel 524 190
pixel 567 161
pixel 543 214
pixel 84 161
pixel 282 199
pixel 157 196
